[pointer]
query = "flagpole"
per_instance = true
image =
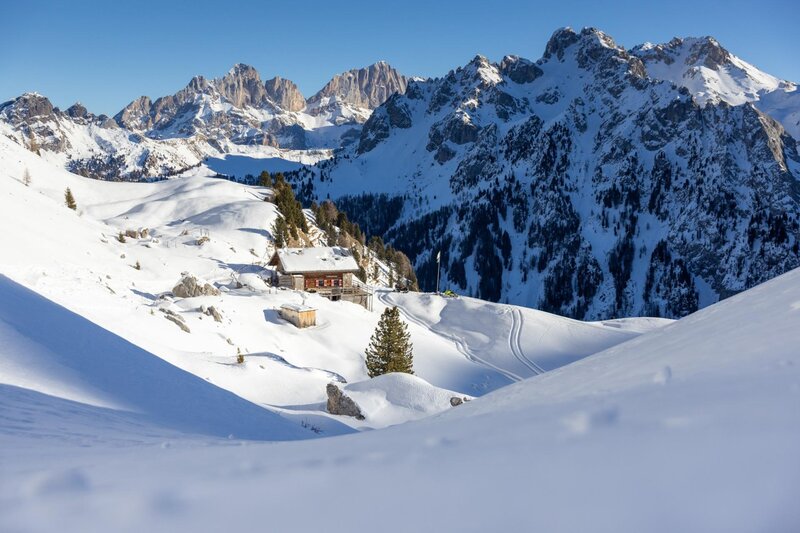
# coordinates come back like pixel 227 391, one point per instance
pixel 438 269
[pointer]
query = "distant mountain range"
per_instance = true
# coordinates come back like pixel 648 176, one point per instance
pixel 593 182
pixel 238 113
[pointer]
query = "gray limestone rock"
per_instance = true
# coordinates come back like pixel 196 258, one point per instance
pixel 340 404
pixel 190 287
pixel 367 87
pixel 285 94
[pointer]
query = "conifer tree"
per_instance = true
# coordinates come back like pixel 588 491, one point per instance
pixel 70 200
pixel 289 207
pixel 390 348
pixel 280 232
pixel 264 179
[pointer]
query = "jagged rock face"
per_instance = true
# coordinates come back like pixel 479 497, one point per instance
pixel 242 87
pixel 36 121
pixel 576 184
pixel 365 88
pixel 238 109
pixel 136 115
pixel 285 94
pixel 519 70
pixel 77 110
pixel 27 108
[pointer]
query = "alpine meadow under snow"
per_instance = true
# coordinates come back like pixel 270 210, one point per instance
pixel 150 382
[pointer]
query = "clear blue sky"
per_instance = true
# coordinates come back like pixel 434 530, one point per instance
pixel 106 53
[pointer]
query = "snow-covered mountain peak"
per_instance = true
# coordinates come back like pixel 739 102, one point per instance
pixel 364 88
pixel 480 68
pixel 243 70
pixel 561 39
pixel 564 38
pixel 591 50
pixel 27 106
pixel 708 70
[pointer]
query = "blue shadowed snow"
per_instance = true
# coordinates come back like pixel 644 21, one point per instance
pixel 61 343
pixel 241 165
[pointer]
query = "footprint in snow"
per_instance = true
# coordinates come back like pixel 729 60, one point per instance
pixel 663 376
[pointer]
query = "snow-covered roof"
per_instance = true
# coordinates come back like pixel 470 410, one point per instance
pixel 297 308
pixel 327 259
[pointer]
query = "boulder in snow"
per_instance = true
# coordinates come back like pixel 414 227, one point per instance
pixel 340 404
pixel 396 398
pixel 212 312
pixel 190 287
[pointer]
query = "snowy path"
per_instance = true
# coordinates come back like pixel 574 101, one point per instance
pixel 515 342
pixel 460 343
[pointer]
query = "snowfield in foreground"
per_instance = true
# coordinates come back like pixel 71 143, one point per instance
pixel 694 427
pixel 113 418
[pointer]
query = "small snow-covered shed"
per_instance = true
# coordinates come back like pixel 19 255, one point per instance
pixel 301 316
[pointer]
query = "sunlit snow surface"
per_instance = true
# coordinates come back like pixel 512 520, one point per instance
pixel 114 419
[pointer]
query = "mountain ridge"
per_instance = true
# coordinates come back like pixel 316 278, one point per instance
pixel 235 113
pixel 584 187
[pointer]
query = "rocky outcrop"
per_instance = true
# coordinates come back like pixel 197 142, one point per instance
pixel 36 121
pixel 365 88
pixel 142 233
pixel 285 94
pixel 77 110
pixel 136 115
pixel 211 311
pixel 519 70
pixel 190 287
pixel 242 87
pixel 340 404
pixel 176 319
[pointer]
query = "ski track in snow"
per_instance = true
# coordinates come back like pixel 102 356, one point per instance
pixel 515 342
pixel 460 344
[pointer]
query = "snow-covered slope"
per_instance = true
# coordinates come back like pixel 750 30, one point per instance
pixel 63 356
pixel 219 231
pixel 692 427
pixel 517 340
pixel 578 184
